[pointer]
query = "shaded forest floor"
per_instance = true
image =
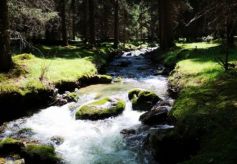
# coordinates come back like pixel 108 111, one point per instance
pixel 206 107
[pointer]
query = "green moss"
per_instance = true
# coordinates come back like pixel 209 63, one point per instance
pixel 8 141
pixel 105 78
pixel 142 100
pixel 73 96
pixel 206 109
pixel 101 109
pixel 40 153
pixel 32 153
pixel 133 93
pixel 10 145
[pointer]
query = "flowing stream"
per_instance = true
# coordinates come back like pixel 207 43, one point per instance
pixel 97 142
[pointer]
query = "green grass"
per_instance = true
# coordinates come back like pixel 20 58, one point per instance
pixel 37 71
pixel 207 104
pixel 197 63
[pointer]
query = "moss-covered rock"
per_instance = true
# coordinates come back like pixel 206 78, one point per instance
pixel 96 79
pixel 133 93
pixel 9 145
pixel 142 100
pixel 31 153
pixel 38 154
pixel 101 109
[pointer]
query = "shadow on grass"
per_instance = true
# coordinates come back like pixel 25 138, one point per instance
pixel 14 73
pixel 199 55
pixel 71 52
pixel 208 113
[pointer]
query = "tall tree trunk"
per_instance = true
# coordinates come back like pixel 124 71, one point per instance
pixel 116 23
pixel 63 23
pixel 5 57
pixel 228 31
pixel 165 24
pixel 231 33
pixel 92 22
pixel 105 22
pixel 125 19
pixel 85 20
pixel 73 7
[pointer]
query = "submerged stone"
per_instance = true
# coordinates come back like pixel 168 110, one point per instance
pixel 57 140
pixel 128 132
pixel 101 109
pixel 142 100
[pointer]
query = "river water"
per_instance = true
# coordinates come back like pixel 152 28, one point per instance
pixel 97 142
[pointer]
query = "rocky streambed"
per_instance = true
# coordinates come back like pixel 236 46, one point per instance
pixel 109 123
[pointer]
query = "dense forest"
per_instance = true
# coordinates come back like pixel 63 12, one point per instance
pixel 118 81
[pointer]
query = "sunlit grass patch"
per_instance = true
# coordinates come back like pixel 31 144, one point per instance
pixel 197 63
pixel 54 65
pixel 197 45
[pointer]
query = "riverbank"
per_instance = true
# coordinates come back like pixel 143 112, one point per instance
pixel 205 108
pixel 37 78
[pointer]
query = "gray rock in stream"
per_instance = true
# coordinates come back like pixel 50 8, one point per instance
pixel 128 132
pixel 155 117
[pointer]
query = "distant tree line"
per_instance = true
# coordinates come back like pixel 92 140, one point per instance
pixel 95 21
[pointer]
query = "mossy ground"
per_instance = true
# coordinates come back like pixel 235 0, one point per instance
pixel 207 104
pixel 54 65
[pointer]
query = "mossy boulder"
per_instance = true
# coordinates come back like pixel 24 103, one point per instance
pixel 38 154
pixel 142 100
pixel 9 145
pixel 101 109
pixel 31 153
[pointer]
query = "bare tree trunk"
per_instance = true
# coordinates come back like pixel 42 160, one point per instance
pixel 125 18
pixel 105 22
pixel 5 57
pixel 165 24
pixel 73 6
pixel 63 23
pixel 92 22
pixel 86 24
pixel 116 23
pixel 228 32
